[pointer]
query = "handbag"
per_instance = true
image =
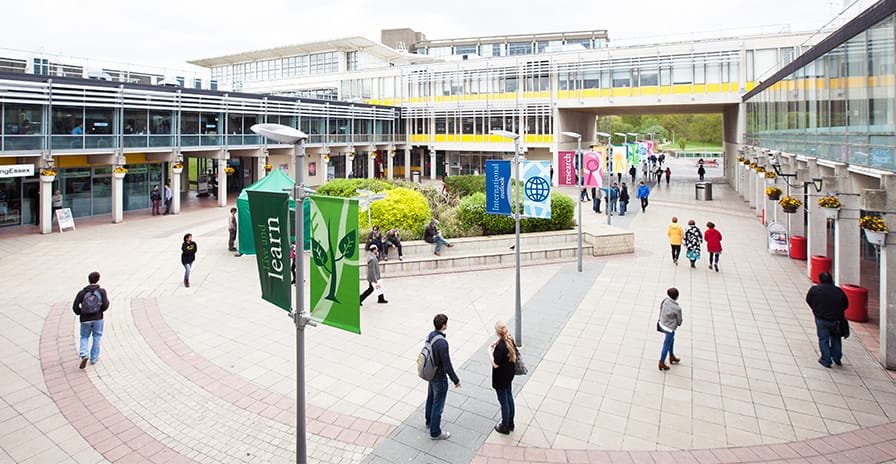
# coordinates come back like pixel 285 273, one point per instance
pixel 658 328
pixel 840 329
pixel 519 367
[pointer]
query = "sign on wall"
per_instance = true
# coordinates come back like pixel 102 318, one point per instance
pixel 17 170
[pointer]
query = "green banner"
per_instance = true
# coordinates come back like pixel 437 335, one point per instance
pixel 270 229
pixel 335 298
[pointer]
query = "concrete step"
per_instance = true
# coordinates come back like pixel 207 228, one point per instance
pixel 472 245
pixel 484 259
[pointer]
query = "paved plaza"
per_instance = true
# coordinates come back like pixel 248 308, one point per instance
pixel 206 374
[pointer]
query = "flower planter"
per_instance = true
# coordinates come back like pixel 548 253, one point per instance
pixel 774 196
pixel 47 178
pixel 790 209
pixel 831 213
pixel 177 170
pixel 876 237
pixel 118 175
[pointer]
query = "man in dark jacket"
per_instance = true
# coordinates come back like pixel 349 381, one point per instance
pixel 438 386
pixel 828 303
pixel 432 235
pixel 90 304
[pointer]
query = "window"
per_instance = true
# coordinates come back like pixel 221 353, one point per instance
pixel 519 48
pixel 351 61
pixel 466 50
pixel 323 63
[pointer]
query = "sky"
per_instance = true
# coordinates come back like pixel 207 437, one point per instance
pixel 168 33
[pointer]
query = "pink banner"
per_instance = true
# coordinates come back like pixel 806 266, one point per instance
pixel 566 174
pixel 593 168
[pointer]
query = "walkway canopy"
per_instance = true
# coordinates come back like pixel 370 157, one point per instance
pixel 276 181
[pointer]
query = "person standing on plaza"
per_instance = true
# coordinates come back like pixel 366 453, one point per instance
pixel 713 239
pixel 612 198
pixel 156 197
pixel 89 305
pixel 701 171
pixel 187 255
pixel 231 230
pixel 828 303
pixel 643 193
pixel 438 386
pixel 169 195
pixel 57 202
pixel 503 354
pixel 373 273
pixel 669 321
pixel 596 195
pixel 675 234
pixel 693 241
pixel 623 199
pixel 668 174
pixel 633 172
pixel 432 235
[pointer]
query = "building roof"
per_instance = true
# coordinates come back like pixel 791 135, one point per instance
pixel 599 34
pixel 344 44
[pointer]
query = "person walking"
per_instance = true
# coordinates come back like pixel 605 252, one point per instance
pixel 669 321
pixel 643 193
pixel 187 255
pixel 432 235
pixel 231 230
pixel 373 273
pixel 829 303
pixel 675 234
pixel 156 197
pixel 633 172
pixel 623 199
pixel 693 241
pixel 438 387
pixel 169 195
pixel 583 194
pixel 701 171
pixel 503 354
pixel 668 175
pixel 713 239
pixel 90 304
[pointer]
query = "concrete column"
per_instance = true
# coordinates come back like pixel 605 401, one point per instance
pixel 391 165
pixel 222 182
pixel 771 206
pixel 846 242
pixel 348 164
pixel 175 191
pixel 816 235
pixel 407 163
pixel 46 204
pixel 758 181
pixel 117 198
pixel 879 200
pixel 432 165
pixel 259 168
pixel 371 166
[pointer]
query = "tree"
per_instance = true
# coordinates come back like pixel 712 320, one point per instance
pixel 682 143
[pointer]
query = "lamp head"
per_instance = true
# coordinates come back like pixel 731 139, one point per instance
pixel 504 133
pixel 279 133
pixel 574 135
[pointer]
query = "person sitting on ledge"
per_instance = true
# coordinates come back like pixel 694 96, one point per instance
pixel 432 235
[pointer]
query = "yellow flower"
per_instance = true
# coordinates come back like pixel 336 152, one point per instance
pixel 268 167
pixel 48 172
pixel 790 202
pixel 120 170
pixel 178 166
pixel 229 170
pixel 773 191
pixel 770 175
pixel 875 223
pixel 829 202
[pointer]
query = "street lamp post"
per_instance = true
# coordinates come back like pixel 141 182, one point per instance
pixel 286 134
pixel 607 164
pixel 578 138
pixel 518 332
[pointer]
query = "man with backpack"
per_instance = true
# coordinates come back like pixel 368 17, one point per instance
pixel 435 354
pixel 89 304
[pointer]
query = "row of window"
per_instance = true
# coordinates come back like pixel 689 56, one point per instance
pixel 263 70
pixel 511 48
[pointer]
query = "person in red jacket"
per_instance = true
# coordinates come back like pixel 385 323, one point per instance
pixel 713 239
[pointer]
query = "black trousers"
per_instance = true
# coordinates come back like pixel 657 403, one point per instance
pixel 676 250
pixel 368 292
pixel 643 203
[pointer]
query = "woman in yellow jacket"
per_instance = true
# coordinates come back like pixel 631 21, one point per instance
pixel 676 234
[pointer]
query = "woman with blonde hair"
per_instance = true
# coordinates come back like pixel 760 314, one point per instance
pixel 504 355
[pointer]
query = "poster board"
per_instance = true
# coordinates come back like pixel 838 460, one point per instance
pixel 64 219
pixel 777 239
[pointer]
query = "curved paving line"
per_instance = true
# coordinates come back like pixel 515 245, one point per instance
pixel 95 418
pixel 231 387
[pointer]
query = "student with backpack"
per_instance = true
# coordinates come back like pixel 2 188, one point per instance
pixel 89 305
pixel 433 364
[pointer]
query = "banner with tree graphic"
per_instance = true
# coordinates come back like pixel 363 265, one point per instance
pixel 334 263
pixel 269 212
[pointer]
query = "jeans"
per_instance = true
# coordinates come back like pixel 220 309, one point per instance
pixel 623 206
pixel 611 206
pixel 508 411
pixel 583 195
pixel 668 345
pixel 187 267
pixel 676 250
pixel 644 204
pixel 88 328
pixel 391 243
pixel 231 239
pixel 831 347
pixel 435 404
pixel 155 207
pixel 167 205
pixel 439 241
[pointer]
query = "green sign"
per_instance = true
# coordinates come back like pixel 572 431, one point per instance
pixel 335 298
pixel 270 229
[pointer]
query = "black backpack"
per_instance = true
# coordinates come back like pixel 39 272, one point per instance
pixel 92 303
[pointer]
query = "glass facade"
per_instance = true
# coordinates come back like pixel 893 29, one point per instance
pixel 841 106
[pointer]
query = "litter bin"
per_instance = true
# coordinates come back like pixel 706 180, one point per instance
pixel 817 265
pixel 798 247
pixel 703 190
pixel 858 302
pixel 415 177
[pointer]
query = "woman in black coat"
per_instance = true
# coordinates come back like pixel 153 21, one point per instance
pixel 187 256
pixel 503 361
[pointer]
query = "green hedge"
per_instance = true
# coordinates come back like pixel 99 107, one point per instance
pixel 472 214
pixel 465 185
pixel 402 208
pixel 347 188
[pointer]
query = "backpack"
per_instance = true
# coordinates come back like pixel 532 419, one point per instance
pixel 426 366
pixel 92 302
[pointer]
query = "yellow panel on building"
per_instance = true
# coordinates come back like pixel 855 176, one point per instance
pixel 682 89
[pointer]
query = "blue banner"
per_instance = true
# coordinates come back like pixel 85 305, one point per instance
pixel 536 178
pixel 497 187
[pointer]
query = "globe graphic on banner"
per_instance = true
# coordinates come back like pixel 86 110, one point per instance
pixel 537 189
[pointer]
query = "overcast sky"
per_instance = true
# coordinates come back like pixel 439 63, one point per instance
pixel 168 32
